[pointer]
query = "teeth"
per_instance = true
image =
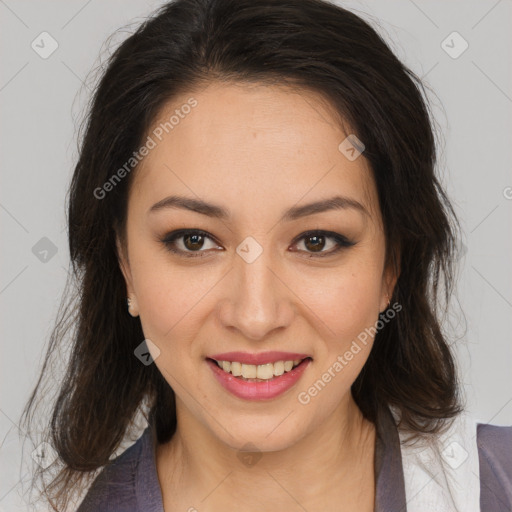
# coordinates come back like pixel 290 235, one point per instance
pixel 261 371
pixel 249 371
pixel 265 371
pixel 278 368
pixel 236 369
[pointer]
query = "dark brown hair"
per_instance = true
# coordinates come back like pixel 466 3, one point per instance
pixel 305 43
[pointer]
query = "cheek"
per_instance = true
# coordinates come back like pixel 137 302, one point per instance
pixel 348 309
pixel 347 305
pixel 169 304
pixel 169 296
pixel 346 301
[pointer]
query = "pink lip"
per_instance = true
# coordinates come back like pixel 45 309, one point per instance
pixel 258 390
pixel 261 358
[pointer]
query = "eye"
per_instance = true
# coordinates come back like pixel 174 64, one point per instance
pixel 316 241
pixel 189 241
pixel 193 243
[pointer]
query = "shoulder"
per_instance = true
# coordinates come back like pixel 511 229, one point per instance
pixel 114 489
pixel 495 456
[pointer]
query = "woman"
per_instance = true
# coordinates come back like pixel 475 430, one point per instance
pixel 256 183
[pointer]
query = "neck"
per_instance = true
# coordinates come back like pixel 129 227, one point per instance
pixel 335 457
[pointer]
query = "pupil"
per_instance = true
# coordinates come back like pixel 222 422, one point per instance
pixel 196 244
pixel 319 244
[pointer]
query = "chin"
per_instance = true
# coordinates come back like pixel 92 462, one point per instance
pixel 270 435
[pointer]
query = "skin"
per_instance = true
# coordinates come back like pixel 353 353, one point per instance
pixel 258 150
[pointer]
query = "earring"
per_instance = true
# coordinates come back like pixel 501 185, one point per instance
pixel 129 303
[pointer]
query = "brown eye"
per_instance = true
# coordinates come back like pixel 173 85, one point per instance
pixel 187 242
pixel 317 241
pixel 193 242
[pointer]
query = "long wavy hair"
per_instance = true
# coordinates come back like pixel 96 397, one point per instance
pixel 186 44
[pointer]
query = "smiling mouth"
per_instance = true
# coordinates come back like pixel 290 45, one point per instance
pixel 260 372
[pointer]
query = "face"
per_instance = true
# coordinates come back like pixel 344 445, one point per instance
pixel 242 264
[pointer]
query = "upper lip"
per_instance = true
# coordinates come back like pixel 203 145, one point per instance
pixel 260 358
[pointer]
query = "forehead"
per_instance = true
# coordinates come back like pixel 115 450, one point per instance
pixel 250 143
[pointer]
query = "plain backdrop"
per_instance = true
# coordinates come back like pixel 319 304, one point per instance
pixel 42 100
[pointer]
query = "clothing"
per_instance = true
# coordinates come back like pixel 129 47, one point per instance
pixel 442 471
pixel 130 483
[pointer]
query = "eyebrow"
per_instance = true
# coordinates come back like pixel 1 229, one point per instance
pixel 296 212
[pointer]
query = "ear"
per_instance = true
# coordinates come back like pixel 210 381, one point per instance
pixel 389 279
pixel 124 265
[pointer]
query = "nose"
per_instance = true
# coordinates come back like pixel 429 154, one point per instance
pixel 258 302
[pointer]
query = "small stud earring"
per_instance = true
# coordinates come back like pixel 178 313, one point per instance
pixel 129 303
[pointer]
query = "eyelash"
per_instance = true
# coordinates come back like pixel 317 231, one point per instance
pixel 170 238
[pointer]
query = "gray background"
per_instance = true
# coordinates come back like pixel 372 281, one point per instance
pixel 42 101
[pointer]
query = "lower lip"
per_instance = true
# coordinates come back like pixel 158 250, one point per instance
pixel 258 390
